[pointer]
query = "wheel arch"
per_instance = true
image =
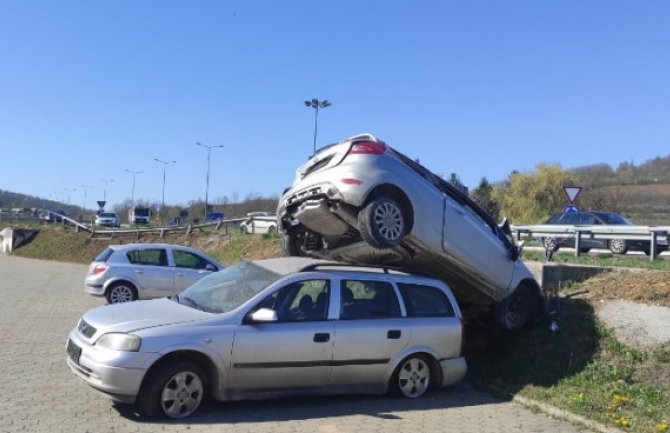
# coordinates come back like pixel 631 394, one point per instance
pixel 429 354
pixel 394 192
pixel 212 380
pixel 114 281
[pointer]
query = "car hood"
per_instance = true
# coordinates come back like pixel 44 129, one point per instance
pixel 133 316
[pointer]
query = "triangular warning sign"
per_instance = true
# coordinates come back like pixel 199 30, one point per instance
pixel 572 192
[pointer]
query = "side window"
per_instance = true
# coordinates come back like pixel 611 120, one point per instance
pixel 185 259
pixel 425 301
pixel 151 257
pixel 367 300
pixel 300 302
pixel 587 218
pixel 569 218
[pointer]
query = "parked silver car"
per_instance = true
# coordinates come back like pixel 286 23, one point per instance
pixel 360 200
pixel 123 273
pixel 259 223
pixel 269 328
pixel 107 219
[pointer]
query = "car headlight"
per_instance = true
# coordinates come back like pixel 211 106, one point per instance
pixel 120 341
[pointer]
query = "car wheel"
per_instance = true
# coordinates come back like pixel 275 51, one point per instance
pixel 412 377
pixel 173 390
pixel 382 223
pixel 244 230
pixel 618 246
pixel 550 244
pixel 290 245
pixel 121 292
pixel 272 230
pixel 519 309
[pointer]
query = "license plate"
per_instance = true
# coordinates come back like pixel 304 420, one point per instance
pixel 73 351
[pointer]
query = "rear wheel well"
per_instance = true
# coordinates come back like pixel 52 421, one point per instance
pixel 118 282
pixel 392 191
pixel 211 379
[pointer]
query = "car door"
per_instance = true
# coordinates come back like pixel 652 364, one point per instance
pixel 189 268
pixel 149 266
pixel 369 333
pixel 292 353
pixel 476 244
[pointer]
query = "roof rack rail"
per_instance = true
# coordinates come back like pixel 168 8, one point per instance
pixel 387 269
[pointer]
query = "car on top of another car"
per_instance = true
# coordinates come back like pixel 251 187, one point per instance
pixel 362 201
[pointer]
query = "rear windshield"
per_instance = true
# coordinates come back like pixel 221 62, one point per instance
pixel 104 255
pixel 141 212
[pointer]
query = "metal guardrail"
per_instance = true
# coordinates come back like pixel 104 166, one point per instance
pixel 653 234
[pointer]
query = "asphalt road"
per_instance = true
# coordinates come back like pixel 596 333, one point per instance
pixel 42 301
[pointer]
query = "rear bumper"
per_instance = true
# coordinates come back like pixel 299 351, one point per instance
pixel 453 370
pixel 94 289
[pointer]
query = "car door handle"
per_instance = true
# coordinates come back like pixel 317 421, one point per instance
pixel 321 337
pixel 179 274
pixel 139 272
pixel 394 334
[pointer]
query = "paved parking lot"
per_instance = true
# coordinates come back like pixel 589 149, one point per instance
pixel 42 300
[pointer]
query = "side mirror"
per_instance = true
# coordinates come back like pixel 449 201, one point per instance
pixel 264 315
pixel 504 226
pixel 210 267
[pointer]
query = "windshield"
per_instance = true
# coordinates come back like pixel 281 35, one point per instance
pixel 108 215
pixel 227 289
pixel 141 212
pixel 612 218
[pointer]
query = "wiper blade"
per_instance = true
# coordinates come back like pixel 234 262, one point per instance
pixel 193 304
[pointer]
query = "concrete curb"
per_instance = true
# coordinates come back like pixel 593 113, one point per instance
pixel 564 414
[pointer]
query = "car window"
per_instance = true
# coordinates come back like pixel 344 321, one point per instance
pixel 185 259
pixel 569 218
pixel 425 301
pixel 587 218
pixel 613 218
pixel 303 301
pixel 367 300
pixel 554 219
pixel 152 257
pixel 104 255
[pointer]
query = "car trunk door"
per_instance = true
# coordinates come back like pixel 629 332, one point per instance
pixel 325 158
pixel 473 243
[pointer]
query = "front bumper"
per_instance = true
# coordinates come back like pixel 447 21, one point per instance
pixel 116 374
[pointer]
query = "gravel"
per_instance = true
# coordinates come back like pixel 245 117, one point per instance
pixel 644 327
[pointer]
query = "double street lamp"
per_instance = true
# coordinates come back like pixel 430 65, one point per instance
pixel 209 153
pixel 316 104
pixel 165 164
pixel 104 191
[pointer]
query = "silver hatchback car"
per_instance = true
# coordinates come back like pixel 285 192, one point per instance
pixel 123 273
pixel 269 328
pixel 362 201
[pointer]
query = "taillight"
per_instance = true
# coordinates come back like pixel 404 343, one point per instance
pixel 99 269
pixel 367 148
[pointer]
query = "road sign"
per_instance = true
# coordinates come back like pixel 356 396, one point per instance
pixel 572 192
pixel 101 204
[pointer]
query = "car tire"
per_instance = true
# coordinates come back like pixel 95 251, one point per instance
pixel 173 390
pixel 382 223
pixel 412 377
pixel 550 244
pixel 290 245
pixel 244 230
pixel 520 309
pixel 120 292
pixel 618 246
pixel 272 230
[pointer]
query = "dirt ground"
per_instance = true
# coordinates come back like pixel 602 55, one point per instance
pixel 646 287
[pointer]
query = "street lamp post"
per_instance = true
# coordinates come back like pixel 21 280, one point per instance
pixel 85 188
pixel 104 191
pixel 69 191
pixel 132 193
pixel 316 104
pixel 209 154
pixel 165 164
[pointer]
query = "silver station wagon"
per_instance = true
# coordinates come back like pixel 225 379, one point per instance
pixel 270 328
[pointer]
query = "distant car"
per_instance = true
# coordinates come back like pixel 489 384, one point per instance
pixel 362 201
pixel 259 223
pixel 215 216
pixel 616 246
pixel 123 273
pixel 107 219
pixel 54 215
pixel 269 328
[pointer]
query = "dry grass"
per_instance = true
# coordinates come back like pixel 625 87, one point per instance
pixel 646 287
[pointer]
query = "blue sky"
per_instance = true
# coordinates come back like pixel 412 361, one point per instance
pixel 481 88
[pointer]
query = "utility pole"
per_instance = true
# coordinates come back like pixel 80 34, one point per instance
pixel 209 154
